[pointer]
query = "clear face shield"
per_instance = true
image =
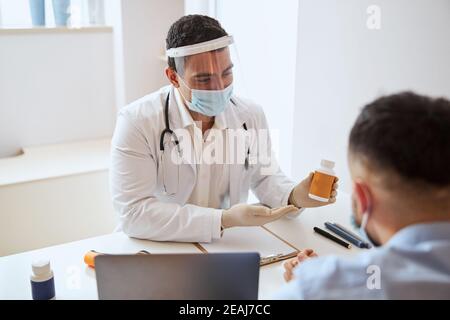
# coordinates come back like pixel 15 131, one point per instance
pixel 206 74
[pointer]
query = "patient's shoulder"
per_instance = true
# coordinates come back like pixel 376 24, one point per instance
pixel 334 277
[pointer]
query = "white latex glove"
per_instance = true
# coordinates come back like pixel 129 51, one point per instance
pixel 299 195
pixel 241 215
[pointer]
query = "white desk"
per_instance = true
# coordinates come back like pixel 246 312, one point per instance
pixel 299 232
pixel 74 280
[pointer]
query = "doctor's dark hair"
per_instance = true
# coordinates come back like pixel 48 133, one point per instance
pixel 408 134
pixel 192 29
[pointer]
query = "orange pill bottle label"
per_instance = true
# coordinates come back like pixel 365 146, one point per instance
pixel 321 186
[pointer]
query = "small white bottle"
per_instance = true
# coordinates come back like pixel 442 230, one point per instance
pixel 322 182
pixel 42 280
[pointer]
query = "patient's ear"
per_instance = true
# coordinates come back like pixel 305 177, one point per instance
pixel 362 196
pixel 172 76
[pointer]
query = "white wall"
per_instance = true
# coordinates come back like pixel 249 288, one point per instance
pixel 265 34
pixel 55 87
pixel 140 45
pixel 205 7
pixel 341 65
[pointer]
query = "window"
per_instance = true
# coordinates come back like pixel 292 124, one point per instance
pixel 17 13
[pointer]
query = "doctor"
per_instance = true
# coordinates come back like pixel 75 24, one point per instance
pixel 177 172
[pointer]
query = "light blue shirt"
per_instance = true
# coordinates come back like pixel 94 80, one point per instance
pixel 414 264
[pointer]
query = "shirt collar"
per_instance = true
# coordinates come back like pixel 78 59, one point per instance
pixel 422 232
pixel 185 116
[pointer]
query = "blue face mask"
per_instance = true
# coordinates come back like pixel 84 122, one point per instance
pixel 209 102
pixel 362 229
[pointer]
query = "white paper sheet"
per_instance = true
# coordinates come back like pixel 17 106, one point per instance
pixel 248 239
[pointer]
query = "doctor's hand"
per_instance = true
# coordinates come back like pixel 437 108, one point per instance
pixel 289 265
pixel 299 195
pixel 241 215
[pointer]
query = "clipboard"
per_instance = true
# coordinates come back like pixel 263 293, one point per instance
pixel 277 257
pixel 270 246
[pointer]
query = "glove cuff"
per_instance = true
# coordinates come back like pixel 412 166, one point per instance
pixel 291 199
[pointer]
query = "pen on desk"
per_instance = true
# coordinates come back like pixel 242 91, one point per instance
pixel 332 227
pixel 348 231
pixel 332 238
pixel 366 244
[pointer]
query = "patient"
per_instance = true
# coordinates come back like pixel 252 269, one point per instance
pixel 399 160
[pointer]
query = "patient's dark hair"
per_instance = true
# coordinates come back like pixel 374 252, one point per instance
pixel 406 133
pixel 192 29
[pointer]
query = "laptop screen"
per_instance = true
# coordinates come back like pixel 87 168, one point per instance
pixel 214 276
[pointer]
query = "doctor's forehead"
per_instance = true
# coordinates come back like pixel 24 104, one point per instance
pixel 208 62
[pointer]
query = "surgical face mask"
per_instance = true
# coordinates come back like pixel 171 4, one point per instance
pixel 362 228
pixel 209 102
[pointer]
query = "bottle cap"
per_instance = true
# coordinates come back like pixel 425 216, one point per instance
pixel 327 164
pixel 41 267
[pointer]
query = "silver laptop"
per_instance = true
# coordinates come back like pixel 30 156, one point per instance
pixel 214 276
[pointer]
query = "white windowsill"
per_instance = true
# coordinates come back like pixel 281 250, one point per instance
pixel 52 161
pixel 40 30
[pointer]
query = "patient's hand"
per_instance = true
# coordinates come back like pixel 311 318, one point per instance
pixel 289 265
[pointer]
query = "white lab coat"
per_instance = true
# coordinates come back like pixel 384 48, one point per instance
pixel 144 210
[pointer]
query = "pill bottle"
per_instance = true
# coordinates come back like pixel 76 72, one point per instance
pixel 322 182
pixel 42 280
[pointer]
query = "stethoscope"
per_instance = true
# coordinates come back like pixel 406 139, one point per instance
pixel 169 131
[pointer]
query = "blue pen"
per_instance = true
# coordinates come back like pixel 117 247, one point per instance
pixel 365 243
pixel 345 235
pixel 348 232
